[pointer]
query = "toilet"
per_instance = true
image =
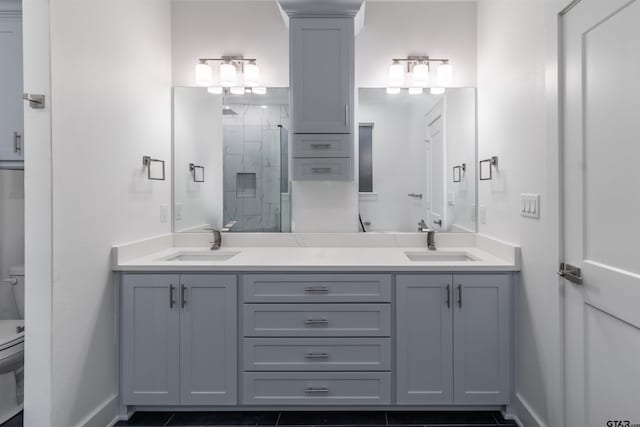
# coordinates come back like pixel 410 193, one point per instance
pixel 12 348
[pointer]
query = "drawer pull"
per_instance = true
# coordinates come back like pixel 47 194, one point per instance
pixel 316 355
pixel 321 146
pixel 312 322
pixel 316 390
pixel 321 170
pixel 316 289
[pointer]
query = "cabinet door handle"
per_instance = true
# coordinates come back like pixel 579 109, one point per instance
pixel 346 115
pixel 17 147
pixel 316 390
pixel 172 299
pixel 317 289
pixel 311 322
pixel 460 295
pixel 183 295
pixel 316 356
pixel 321 170
pixel 322 146
pixel 448 296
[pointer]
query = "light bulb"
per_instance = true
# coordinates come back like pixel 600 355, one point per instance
pixel 251 74
pixel 259 90
pixel 203 74
pixel 445 74
pixel 437 90
pixel 237 90
pixel 215 90
pixel 227 74
pixel 393 90
pixel 396 74
pixel 415 90
pixel 421 74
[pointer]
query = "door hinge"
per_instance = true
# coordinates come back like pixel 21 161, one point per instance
pixel 571 273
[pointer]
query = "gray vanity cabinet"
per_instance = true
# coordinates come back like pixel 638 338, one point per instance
pixel 179 339
pixel 453 339
pixel 322 67
pixel 424 334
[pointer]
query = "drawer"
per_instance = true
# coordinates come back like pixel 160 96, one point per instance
pixel 319 388
pixel 317 354
pixel 322 169
pixel 317 320
pixel 321 145
pixel 316 288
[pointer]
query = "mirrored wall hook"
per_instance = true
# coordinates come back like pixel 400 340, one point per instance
pixel 197 172
pixel 155 168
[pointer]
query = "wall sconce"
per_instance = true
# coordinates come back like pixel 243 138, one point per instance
pixel 458 172
pixel 197 172
pixel 230 68
pixel 486 168
pixel 418 68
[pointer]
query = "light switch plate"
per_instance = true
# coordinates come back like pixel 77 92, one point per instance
pixel 164 213
pixel 530 205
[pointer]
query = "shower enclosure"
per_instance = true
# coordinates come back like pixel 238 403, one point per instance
pixel 256 173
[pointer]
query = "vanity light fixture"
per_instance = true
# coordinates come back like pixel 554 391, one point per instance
pixel 393 90
pixel 259 90
pixel 418 67
pixel 230 69
pixel 415 91
pixel 215 90
pixel 237 90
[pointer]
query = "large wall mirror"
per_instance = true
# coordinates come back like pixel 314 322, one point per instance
pixel 231 161
pixel 417 160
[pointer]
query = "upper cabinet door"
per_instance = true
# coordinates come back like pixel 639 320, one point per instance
pixel 424 343
pixel 150 339
pixel 322 74
pixel 11 104
pixel 482 339
pixel 208 335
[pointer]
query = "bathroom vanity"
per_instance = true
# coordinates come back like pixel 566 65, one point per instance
pixel 313 320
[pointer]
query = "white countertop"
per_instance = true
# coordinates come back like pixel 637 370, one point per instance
pixel 337 253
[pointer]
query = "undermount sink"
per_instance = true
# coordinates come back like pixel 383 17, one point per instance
pixel 439 256
pixel 201 256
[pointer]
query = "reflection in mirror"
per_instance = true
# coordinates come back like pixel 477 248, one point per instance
pixel 417 157
pixel 241 141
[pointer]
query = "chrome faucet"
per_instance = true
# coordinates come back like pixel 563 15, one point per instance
pixel 431 234
pixel 217 240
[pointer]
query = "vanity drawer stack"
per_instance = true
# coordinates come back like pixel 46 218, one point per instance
pixel 316 339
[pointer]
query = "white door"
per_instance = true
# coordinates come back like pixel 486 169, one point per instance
pixel 601 109
pixel 436 173
pixel 11 116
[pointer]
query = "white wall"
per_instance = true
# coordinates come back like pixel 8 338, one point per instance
pixel 512 125
pixel 198 139
pixel 396 29
pixel 111 104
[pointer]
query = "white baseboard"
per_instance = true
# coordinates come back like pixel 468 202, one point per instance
pixel 525 415
pixel 105 415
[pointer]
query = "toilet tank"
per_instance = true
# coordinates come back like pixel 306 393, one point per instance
pixel 17 272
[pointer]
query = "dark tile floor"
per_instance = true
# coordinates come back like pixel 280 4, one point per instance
pixel 319 418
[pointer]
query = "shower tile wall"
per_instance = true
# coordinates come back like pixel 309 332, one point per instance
pixel 252 150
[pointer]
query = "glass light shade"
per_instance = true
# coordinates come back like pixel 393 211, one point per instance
pixel 203 74
pixel 445 74
pixel 421 74
pixel 259 90
pixel 437 90
pixel 415 90
pixel 237 90
pixel 251 74
pixel 215 90
pixel 228 75
pixel 396 74
pixel 393 90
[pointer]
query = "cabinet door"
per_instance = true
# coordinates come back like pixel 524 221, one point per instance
pixel 150 339
pixel 482 339
pixel 208 335
pixel 424 359
pixel 322 69
pixel 11 104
